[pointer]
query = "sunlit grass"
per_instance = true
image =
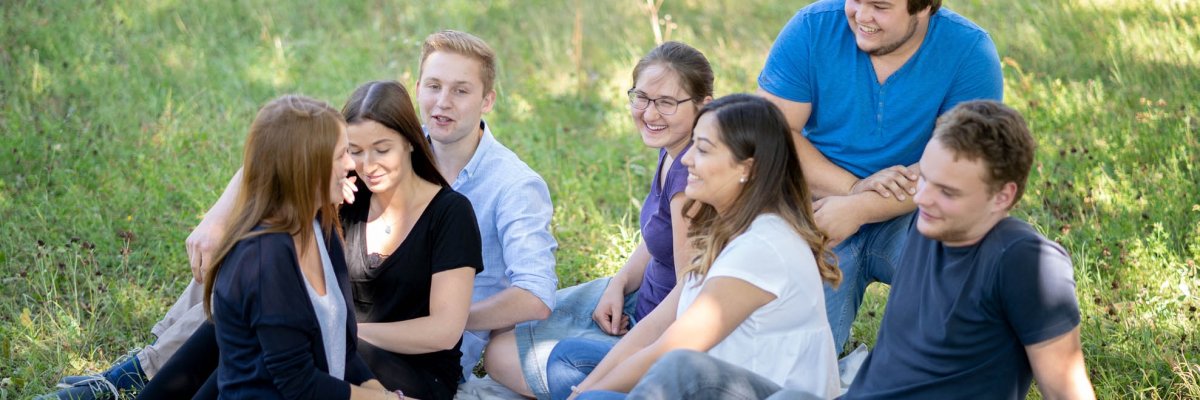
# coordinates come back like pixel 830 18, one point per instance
pixel 123 119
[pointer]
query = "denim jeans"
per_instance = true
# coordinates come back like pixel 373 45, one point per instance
pixel 601 395
pixel 570 362
pixel 870 255
pixel 686 374
pixel 572 318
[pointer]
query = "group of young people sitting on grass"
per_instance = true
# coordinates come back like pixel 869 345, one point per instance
pixel 381 253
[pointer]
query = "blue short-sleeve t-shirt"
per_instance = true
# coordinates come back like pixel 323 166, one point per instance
pixel 958 318
pixel 859 124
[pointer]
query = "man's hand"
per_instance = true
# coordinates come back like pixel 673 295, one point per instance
pixel 897 182
pixel 609 313
pixel 837 217
pixel 202 243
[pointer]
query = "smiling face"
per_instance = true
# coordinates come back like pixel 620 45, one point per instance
pixel 954 201
pixel 714 175
pixel 342 165
pixel 451 96
pixel 884 27
pixel 382 158
pixel 671 132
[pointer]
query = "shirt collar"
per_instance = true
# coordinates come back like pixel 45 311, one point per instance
pixel 485 144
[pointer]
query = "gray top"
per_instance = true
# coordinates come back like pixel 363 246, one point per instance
pixel 331 313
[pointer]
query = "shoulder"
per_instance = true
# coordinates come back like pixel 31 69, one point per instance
pixel 255 259
pixel 500 164
pixel 823 9
pixel 248 253
pixel 818 17
pixel 954 32
pixel 956 23
pixel 1016 245
pixel 448 202
pixel 769 237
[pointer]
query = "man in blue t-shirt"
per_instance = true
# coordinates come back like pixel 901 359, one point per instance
pixel 861 83
pixel 982 305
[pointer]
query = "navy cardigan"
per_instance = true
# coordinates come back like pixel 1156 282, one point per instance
pixel 266 327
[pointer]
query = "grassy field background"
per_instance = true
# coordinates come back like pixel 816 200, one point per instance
pixel 122 120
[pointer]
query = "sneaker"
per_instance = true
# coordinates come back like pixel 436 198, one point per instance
pixel 90 388
pixel 125 375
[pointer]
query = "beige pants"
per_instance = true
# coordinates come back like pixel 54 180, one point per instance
pixel 175 328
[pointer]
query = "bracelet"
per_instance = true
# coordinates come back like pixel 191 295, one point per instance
pixel 575 389
pixel 399 393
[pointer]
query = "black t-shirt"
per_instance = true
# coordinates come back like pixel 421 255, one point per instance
pixel 958 318
pixel 445 237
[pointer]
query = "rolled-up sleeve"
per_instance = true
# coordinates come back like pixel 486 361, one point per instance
pixel 523 220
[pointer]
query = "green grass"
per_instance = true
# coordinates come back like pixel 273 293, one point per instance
pixel 122 121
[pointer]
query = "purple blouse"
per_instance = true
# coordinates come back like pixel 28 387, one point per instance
pixel 659 278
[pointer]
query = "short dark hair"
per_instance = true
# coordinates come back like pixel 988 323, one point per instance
pixel 915 6
pixel 994 132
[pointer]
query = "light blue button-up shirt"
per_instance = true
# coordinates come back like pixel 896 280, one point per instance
pixel 512 204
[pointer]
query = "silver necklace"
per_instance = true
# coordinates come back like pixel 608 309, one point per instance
pixel 387 224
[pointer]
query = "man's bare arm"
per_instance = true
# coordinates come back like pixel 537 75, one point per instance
pixel 1059 369
pixel 824 177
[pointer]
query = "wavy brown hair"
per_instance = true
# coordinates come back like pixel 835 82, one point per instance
pixel 754 128
pixel 285 177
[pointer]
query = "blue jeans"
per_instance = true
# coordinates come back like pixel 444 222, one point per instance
pixel 601 395
pixel 570 362
pixel 870 255
pixel 686 374
pixel 572 318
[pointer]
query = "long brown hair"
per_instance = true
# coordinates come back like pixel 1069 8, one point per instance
pixel 285 177
pixel 388 103
pixel 752 127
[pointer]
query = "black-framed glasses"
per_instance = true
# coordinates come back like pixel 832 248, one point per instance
pixel 664 105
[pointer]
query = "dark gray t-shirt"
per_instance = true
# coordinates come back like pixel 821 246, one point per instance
pixel 958 319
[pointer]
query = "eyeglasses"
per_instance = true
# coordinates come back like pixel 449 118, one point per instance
pixel 664 105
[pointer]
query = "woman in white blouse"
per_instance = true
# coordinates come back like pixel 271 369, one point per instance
pixel 753 295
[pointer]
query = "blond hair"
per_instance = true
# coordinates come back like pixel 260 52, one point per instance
pixel 464 44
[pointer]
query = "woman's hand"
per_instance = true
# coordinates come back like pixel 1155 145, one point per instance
pixel 609 313
pixel 348 189
pixel 896 181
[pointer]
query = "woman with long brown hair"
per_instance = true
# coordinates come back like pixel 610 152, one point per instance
pixel 278 289
pixel 412 251
pixel 752 296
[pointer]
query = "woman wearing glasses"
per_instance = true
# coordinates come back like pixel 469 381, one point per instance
pixel 753 295
pixel 670 84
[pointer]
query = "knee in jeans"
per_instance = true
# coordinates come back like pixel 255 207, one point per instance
pixel 682 357
pixel 680 361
